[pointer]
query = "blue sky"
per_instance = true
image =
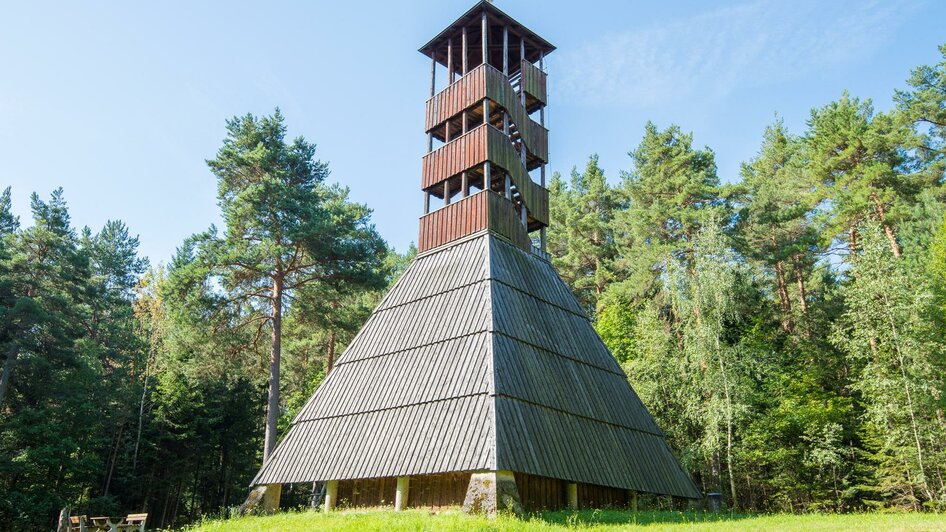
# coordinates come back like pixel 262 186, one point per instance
pixel 120 103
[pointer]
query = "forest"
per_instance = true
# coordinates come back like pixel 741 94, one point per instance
pixel 786 326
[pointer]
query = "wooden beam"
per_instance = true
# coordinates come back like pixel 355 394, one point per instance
pixel 485 30
pixel 450 59
pixel 463 50
pixel 433 73
pixel 486 111
pixel 508 189
pixel 464 185
pixel 505 50
pixel 465 127
pixel 542 240
pixel 426 202
pixel 446 192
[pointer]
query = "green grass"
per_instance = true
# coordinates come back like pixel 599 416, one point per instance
pixel 604 520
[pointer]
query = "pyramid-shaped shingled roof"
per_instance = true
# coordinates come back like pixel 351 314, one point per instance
pixel 479 358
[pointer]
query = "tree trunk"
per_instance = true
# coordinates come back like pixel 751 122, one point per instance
pixel 785 304
pixel 891 236
pixel 331 352
pixel 802 293
pixel 852 240
pixel 729 424
pixel 272 404
pixel 7 374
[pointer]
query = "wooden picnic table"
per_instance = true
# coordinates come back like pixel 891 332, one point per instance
pixel 118 524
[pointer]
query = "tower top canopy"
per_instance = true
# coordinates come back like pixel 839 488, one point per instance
pixel 535 46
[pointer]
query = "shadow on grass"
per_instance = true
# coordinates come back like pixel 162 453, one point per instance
pixel 624 517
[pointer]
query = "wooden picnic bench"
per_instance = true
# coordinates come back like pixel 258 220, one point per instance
pixel 129 523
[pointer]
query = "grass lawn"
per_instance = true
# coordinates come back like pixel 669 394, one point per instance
pixel 381 520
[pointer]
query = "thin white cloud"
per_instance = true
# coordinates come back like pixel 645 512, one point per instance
pixel 713 53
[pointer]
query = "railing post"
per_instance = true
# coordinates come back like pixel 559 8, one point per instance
pixel 508 189
pixel 446 192
pixel 426 202
pixel 464 185
pixel 486 111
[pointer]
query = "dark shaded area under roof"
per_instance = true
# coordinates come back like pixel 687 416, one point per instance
pixel 536 46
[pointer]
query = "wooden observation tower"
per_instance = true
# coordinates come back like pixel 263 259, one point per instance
pixel 479 380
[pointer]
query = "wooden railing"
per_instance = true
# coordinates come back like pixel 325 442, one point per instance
pixel 460 154
pixel 502 153
pixel 486 81
pixel 534 82
pixel 477 146
pixel 483 210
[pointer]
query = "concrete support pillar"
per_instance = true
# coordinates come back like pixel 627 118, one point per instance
pixel 403 490
pixel 491 492
pixel 571 495
pixel 271 498
pixel 632 500
pixel 331 495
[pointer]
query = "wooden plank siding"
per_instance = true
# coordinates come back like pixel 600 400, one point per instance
pixel 438 492
pixel 534 82
pixel 486 81
pixel 483 210
pixel 480 145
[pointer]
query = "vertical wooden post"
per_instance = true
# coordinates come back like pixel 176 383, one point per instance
pixel 508 188
pixel 446 192
pixel 331 495
pixel 542 239
pixel 571 493
pixel 433 86
pixel 486 111
pixel 542 175
pixel 506 50
pixel 632 500
pixel 487 179
pixel 446 132
pixel 463 51
pixel 450 60
pixel 433 73
pixel 464 122
pixel 464 185
pixel 522 57
pixel 505 123
pixel 524 215
pixel 403 490
pixel 426 202
pixel 485 30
